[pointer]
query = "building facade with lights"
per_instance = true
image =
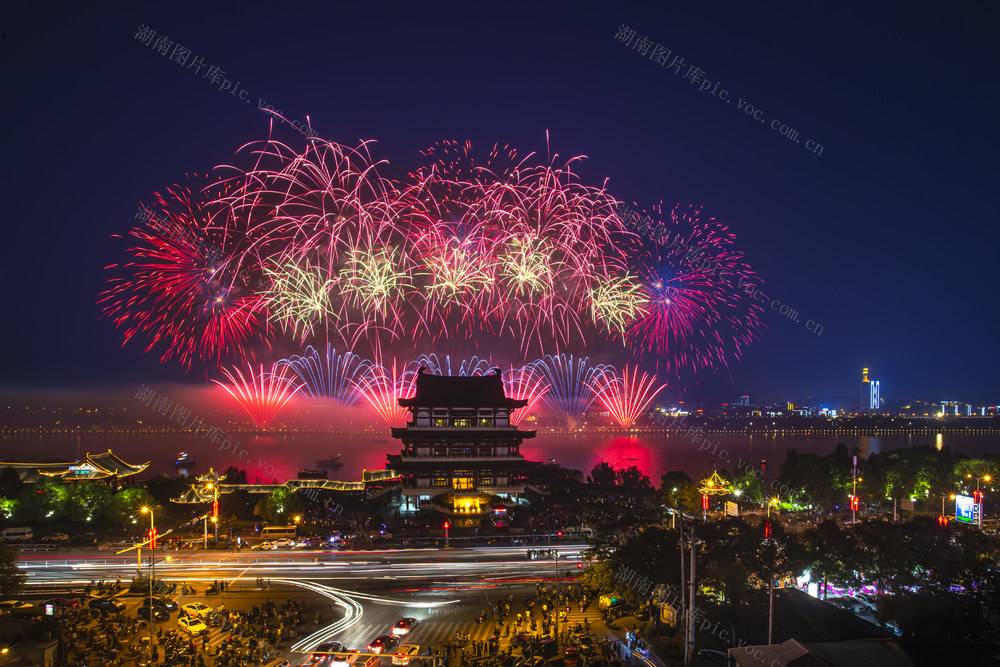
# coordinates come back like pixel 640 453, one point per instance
pixel 106 468
pixel 870 401
pixel 461 454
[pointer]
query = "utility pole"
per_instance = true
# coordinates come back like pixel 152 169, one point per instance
pixel 854 490
pixel 683 610
pixel 555 560
pixel 691 600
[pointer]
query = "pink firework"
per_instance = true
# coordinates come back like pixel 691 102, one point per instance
pixel 262 396
pixel 524 384
pixel 695 305
pixel 383 388
pixel 625 397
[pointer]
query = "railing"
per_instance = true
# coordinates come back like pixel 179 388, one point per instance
pixel 445 457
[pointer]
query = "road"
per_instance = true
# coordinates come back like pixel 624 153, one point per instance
pixel 368 591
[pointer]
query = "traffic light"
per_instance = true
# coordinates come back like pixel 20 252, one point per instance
pixel 854 503
pixel 215 508
pixel 446 525
pixel 978 497
pixel 767 530
pixel 942 521
pixel 151 534
pixel 704 501
pixel 559 534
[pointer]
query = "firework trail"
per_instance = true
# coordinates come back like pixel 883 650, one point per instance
pixel 189 287
pixel 524 384
pixel 330 376
pixel 262 396
pixel 569 381
pixel 625 397
pixel 383 388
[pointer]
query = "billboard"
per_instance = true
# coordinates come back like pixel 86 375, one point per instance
pixel 964 509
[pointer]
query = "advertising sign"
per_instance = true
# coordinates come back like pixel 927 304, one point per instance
pixel 965 509
pixel 732 509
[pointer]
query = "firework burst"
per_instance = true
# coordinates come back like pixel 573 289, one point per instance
pixel 261 395
pixel 524 384
pixel 331 376
pixel 569 381
pixel 189 289
pixel 382 387
pixel 627 396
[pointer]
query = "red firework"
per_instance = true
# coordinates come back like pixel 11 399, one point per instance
pixel 187 289
pixel 263 395
pixel 625 397
pixel 383 388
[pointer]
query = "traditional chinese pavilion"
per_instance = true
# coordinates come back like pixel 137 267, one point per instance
pixel 104 467
pixel 461 455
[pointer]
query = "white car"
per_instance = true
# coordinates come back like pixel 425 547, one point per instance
pixel 406 655
pixel 196 610
pixel 192 626
pixel 342 660
pixel 283 542
pixel 15 604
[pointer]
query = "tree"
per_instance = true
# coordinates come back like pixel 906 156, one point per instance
pixel 127 504
pixel 88 501
pixel 602 475
pixel 679 492
pixel 280 506
pixel 235 475
pixel 632 479
pixel 11 576
pixel 10 483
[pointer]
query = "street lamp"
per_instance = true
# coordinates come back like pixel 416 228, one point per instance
pixel 152 573
pixel 949 497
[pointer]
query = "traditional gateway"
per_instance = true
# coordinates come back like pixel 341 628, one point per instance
pixel 461 454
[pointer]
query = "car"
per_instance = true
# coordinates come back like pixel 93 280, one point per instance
pixel 192 626
pixel 321 654
pixel 585 644
pixel 106 604
pixel 348 657
pixel 403 626
pixel 283 542
pixel 56 537
pixel 406 655
pixel 7 605
pixel 263 546
pixel 196 609
pixel 161 602
pixel 159 613
pixel 384 644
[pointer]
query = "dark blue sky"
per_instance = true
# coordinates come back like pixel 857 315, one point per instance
pixel 886 240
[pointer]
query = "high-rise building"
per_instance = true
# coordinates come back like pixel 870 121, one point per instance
pixel 461 454
pixel 869 398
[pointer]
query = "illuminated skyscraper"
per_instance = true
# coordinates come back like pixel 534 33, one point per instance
pixel 869 396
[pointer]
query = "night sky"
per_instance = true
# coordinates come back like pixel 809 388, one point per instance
pixel 887 239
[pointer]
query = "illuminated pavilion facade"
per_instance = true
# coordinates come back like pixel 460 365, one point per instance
pixel 106 468
pixel 461 455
